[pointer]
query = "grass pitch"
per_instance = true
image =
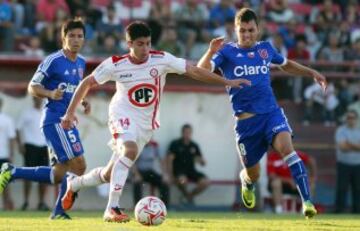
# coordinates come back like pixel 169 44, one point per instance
pixel 92 221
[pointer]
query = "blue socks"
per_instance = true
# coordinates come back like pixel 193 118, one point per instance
pixel 42 174
pixel 62 189
pixel 298 172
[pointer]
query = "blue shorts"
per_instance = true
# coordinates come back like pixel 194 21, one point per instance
pixel 63 144
pixel 255 134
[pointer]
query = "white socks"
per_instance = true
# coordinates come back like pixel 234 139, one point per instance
pixel 119 174
pixel 92 178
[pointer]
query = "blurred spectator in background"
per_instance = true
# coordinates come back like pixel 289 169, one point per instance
pixel 32 146
pixel 280 179
pixel 298 53
pixel 33 49
pixel 7 29
pixel 110 46
pixel 278 43
pixel 160 16
pixel 183 153
pixel 170 42
pixel 7 146
pixel 345 97
pixel 288 33
pixel 144 171
pixel 220 12
pixel 355 106
pixel 347 140
pixel 29 17
pixel 279 11
pixel 47 9
pixel 332 51
pixel 227 31
pixel 191 19
pixel 327 101
pixel 109 24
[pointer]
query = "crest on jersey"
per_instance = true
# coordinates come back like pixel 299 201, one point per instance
pixel 142 95
pixel 154 72
pixel 263 53
pixel 251 54
pixel 81 72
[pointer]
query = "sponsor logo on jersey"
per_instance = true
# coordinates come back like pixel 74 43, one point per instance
pixel 154 72
pixel 239 55
pixel 142 95
pixel 263 53
pixel 66 72
pixel 251 70
pixel 128 75
pixel 67 87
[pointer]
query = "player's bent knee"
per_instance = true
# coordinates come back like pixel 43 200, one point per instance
pixel 78 165
pixel 130 150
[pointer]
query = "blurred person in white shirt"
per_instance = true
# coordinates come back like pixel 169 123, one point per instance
pixel 32 146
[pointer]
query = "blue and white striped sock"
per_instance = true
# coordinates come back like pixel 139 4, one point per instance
pixel 299 174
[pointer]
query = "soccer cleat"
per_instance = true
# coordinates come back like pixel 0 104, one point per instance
pixel 61 216
pixel 116 215
pixel 5 176
pixel 248 197
pixel 309 210
pixel 67 201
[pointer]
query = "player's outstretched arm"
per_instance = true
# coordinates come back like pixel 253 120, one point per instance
pixel 209 77
pixel 69 118
pixel 296 68
pixel 214 46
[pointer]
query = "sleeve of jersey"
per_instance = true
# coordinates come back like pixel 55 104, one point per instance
pixel 175 64
pixel 216 60
pixel 277 58
pixel 104 72
pixel 42 73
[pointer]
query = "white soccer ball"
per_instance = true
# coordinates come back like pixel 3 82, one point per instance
pixel 150 211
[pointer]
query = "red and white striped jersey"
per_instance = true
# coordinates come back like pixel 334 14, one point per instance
pixel 138 86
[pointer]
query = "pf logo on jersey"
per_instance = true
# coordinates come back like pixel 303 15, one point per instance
pixel 142 95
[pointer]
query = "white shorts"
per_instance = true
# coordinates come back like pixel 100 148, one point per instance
pixel 125 130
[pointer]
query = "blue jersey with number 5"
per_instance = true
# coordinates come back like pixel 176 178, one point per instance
pixel 58 71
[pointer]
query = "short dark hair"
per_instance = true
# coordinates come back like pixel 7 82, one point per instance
pixel 185 126
pixel 137 30
pixel 71 24
pixel 245 15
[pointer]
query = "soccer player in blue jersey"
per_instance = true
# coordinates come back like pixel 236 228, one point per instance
pixel 260 122
pixel 56 80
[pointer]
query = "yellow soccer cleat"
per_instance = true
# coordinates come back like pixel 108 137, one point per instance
pixel 248 197
pixel 309 210
pixel 5 176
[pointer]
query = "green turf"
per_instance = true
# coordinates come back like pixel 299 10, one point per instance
pixel 91 221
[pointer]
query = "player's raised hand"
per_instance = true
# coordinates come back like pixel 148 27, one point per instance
pixel 57 94
pixel 68 121
pixel 320 79
pixel 238 82
pixel 216 44
pixel 87 107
